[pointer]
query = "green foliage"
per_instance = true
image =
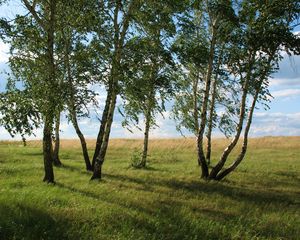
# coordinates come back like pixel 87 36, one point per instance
pixel 242 28
pixel 4 27
pixel 17 113
pixel 148 73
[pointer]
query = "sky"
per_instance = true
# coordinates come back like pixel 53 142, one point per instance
pixel 282 119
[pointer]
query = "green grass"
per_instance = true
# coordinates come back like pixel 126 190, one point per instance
pixel 261 200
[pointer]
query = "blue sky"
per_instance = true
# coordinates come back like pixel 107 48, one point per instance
pixel 283 118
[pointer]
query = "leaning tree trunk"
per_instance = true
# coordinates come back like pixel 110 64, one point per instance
pixel 47 151
pixel 243 151
pixel 218 167
pixel 97 174
pixel 73 115
pixel 102 126
pixel 81 137
pixel 119 38
pixel 56 160
pixel 241 155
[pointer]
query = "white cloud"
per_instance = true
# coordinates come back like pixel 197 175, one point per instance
pixel 278 82
pixel 4 52
pixel 4 135
pixel 276 124
pixel 286 93
pixel 165 128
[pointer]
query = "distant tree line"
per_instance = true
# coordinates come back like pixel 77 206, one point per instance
pixel 211 59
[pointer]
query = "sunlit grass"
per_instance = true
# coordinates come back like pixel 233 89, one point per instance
pixel 261 200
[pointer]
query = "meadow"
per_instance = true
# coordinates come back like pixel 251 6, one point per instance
pixel 168 200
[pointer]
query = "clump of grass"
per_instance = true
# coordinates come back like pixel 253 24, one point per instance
pixel 136 158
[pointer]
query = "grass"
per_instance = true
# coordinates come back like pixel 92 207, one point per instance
pixel 260 200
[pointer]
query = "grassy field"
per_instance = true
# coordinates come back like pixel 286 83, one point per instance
pixel 261 200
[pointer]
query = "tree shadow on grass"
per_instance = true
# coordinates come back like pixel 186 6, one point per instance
pixel 147 169
pixel 101 198
pixel 2 157
pixel 76 169
pixel 163 219
pixel 12 171
pixel 31 153
pixel 256 196
pixel 24 222
pixel 225 188
pixel 166 216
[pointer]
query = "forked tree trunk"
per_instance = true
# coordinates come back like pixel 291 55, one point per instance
pixel 218 167
pixel 119 38
pixel 47 152
pixel 243 151
pixel 105 115
pixel 56 160
pixel 241 155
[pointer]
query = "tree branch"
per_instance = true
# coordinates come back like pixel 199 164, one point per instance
pixel 31 9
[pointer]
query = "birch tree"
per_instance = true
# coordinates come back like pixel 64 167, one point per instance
pixel 255 45
pixel 119 16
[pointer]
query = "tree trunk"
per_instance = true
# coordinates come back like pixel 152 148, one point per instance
pixel 210 123
pixel 243 151
pixel 47 152
pixel 73 115
pixel 48 27
pixel 203 116
pixel 101 156
pixel 146 137
pixel 211 111
pixel 56 160
pixel 119 38
pixel 24 141
pixel 195 104
pixel 241 156
pixel 215 170
pixel 85 153
pixel 102 126
pixel 49 114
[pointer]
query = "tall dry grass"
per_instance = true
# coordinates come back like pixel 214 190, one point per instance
pixel 176 143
